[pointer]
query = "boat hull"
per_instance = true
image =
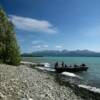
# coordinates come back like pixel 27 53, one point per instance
pixel 79 69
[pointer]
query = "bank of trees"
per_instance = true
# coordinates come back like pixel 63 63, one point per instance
pixel 9 50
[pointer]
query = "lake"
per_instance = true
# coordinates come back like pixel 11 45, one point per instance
pixel 92 75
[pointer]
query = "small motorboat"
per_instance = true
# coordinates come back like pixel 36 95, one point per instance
pixel 74 68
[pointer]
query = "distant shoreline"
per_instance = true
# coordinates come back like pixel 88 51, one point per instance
pixel 60 56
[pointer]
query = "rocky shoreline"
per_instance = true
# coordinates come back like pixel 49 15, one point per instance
pixel 26 83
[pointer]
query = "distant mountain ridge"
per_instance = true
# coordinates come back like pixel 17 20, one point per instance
pixel 64 53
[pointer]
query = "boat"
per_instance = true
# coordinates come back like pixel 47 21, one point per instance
pixel 74 68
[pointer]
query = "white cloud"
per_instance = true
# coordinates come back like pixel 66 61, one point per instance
pixel 21 40
pixel 58 46
pixel 36 42
pixel 31 24
pixel 45 46
pixel 40 46
pixel 37 46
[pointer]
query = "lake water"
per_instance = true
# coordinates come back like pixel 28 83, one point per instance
pixel 92 75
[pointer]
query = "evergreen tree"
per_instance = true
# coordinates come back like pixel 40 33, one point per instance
pixel 9 50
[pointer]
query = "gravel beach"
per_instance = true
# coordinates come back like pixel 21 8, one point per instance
pixel 26 83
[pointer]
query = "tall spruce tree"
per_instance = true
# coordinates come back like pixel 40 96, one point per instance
pixel 9 50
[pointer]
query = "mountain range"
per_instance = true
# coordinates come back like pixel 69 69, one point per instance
pixel 63 53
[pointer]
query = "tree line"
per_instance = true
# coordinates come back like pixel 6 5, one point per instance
pixel 9 49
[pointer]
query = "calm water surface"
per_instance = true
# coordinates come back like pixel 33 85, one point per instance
pixel 92 75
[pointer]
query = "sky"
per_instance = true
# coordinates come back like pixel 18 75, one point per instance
pixel 55 24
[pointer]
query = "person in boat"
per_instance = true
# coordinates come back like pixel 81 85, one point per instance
pixel 83 65
pixel 56 64
pixel 62 64
pixel 70 65
pixel 75 65
pixel 65 66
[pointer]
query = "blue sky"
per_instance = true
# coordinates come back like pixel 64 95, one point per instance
pixel 55 24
